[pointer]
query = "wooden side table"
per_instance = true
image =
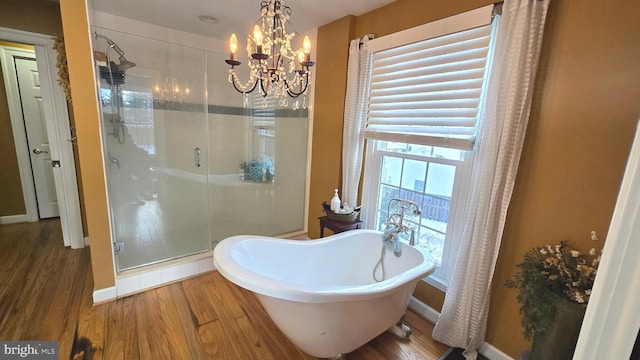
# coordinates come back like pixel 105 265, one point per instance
pixel 337 226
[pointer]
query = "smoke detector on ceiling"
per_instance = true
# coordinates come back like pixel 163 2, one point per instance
pixel 208 19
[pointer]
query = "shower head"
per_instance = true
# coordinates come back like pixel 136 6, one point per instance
pixel 124 63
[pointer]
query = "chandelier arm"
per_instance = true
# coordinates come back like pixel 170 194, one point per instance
pixel 235 86
pixel 294 94
pixel 286 9
pixel 262 89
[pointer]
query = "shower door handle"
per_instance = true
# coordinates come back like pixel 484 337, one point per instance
pixel 196 157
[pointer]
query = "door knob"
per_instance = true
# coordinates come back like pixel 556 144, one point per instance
pixel 38 151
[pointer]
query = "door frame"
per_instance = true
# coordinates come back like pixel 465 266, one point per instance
pixel 56 116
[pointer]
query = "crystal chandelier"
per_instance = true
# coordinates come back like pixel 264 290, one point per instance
pixel 275 68
pixel 170 91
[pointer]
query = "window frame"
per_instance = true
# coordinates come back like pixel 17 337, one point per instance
pixel 460 195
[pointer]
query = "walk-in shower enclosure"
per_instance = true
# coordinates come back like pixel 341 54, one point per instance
pixel 187 164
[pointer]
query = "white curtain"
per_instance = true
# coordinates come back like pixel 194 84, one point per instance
pixel 463 320
pixel 355 117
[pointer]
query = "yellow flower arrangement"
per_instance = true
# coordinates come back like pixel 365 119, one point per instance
pixel 549 270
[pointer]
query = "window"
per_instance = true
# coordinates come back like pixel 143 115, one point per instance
pixel 432 177
pixel 424 111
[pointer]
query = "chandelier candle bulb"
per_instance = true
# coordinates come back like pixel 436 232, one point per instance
pixel 306 45
pixel 306 49
pixel 233 47
pixel 257 36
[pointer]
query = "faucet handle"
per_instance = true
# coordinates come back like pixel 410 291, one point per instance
pixel 390 230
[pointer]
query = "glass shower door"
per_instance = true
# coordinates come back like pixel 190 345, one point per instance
pixel 258 158
pixel 154 136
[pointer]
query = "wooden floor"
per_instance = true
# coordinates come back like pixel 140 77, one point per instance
pixel 46 292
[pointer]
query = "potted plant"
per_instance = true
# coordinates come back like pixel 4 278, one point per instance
pixel 554 284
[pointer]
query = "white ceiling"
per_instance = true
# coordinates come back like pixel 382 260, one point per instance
pixel 233 15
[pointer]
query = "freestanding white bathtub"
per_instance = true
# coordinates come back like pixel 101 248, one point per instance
pixel 321 293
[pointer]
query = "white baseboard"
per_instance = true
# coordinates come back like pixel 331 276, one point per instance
pixel 492 353
pixel 431 315
pixel 103 295
pixel 12 219
pixel 424 310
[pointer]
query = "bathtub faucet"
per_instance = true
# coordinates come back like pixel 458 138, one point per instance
pixel 395 224
pixel 391 240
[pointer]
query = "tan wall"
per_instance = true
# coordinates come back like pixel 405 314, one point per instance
pixel 36 16
pixel 333 47
pixel 584 112
pixel 83 92
pixel 17 45
pixel 583 118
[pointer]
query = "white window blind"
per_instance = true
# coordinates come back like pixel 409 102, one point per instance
pixel 429 92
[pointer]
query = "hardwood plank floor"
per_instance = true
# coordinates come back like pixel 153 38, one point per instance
pixel 46 292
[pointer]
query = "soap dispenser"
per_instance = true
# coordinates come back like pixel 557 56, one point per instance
pixel 335 202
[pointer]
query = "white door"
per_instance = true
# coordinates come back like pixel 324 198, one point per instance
pixel 37 138
pixel 57 122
